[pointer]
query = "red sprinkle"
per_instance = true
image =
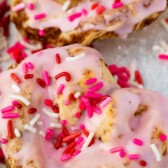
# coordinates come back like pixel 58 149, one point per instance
pixel 72 136
pixel 58 143
pixel 15 78
pixel 72 97
pixel 55 109
pixel 28 76
pixel 10 129
pixel 32 110
pixel 58 58
pixel 48 102
pixel 143 163
pixel 65 131
pixel 69 148
pixel 87 134
pixel 138 77
pixel 82 106
pixel 66 74
pixel 94 5
pixel 100 9
pixel 41 82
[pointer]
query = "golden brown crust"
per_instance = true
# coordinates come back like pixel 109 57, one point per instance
pixel 54 36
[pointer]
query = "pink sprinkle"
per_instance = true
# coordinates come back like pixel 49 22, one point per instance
pixel 46 78
pixel 104 103
pixel 90 81
pixel 88 107
pixel 66 157
pixel 31 6
pixel 97 110
pixel 64 122
pixel 138 142
pixel 117 5
pixel 163 137
pixel 76 152
pixel 72 17
pixel 122 153
pixel 15 103
pixel 84 12
pixel 78 115
pixel 82 126
pixel 48 102
pixel 67 103
pixel 49 134
pixel 93 95
pixel 7 109
pixel 10 115
pixel 4 141
pixel 41 33
pixel 39 16
pixel 96 87
pixel 163 57
pixel 133 157
pixel 19 7
pixel 60 89
pixel 79 140
pixel 116 149
pixel 30 65
pixel 24 68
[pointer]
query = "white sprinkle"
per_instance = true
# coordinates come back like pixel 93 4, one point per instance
pixel 20 98
pixel 16 88
pixel 42 133
pixel 164 24
pixel 77 94
pixel 39 123
pixel 30 128
pixel 51 114
pixel 66 5
pixel 55 125
pixel 156 152
pixel 75 58
pixel 34 120
pixel 88 140
pixel 17 132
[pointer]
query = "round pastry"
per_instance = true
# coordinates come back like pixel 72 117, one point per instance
pixel 63 22
pixel 41 95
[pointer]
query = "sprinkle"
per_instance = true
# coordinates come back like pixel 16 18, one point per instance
pixel 55 115
pixel 67 102
pixel 97 110
pixel 138 77
pixel 94 5
pixel 84 12
pixel 42 133
pixel 39 123
pixel 82 106
pixel 7 109
pixel 163 137
pixel 74 16
pixel 138 142
pixel 77 95
pixel 41 82
pixel 116 149
pixel 16 88
pixel 40 16
pixel 34 120
pixel 4 141
pixel 117 5
pixel 93 95
pixel 32 110
pixel 133 156
pixel 82 126
pixel 28 76
pixel 163 56
pixel 31 6
pixel 66 157
pixel 66 5
pixel 104 103
pixel 55 125
pixel 58 143
pixel 41 33
pixel 49 134
pixel 66 74
pixel 60 89
pixel 90 81
pixel 30 128
pixel 88 140
pixel 70 147
pixel 64 122
pixel 30 65
pixel 79 140
pixel 15 78
pixel 48 102
pixel 46 78
pixel 55 109
pixel 142 163
pixel 71 97
pixel 72 136
pixel 19 7
pixel 75 58
pixel 10 129
pixel 17 133
pixel 58 58
pixel 10 115
pixel 24 68
pixel 156 152
pixel 100 9
pixel 78 115
pixel 20 98
pixel 89 108
pixel 122 154
pixel 96 87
